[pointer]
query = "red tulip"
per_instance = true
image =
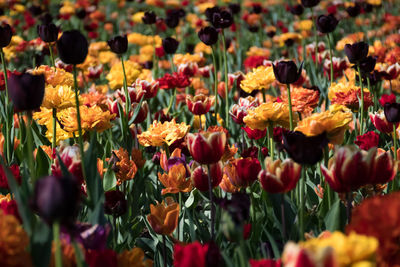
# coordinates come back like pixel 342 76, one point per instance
pixel 243 172
pixel 199 176
pixel 199 104
pixel 380 122
pixel 206 147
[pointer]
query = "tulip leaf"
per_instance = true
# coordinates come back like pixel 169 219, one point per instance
pixel 335 219
pixel 41 245
pixel 42 163
pixel 109 180
pixel 136 111
pixel 190 200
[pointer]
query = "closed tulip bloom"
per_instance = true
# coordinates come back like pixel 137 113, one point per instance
pixel 56 199
pixel 207 147
pixel 163 217
pixel 199 104
pixel 72 47
pixel 47 32
pixel 118 44
pixel 149 17
pixel 26 91
pixel 354 10
pixel 278 176
pixel 170 45
pixel 234 8
pixel 303 149
pixel 208 35
pixel 5 35
pixel 368 64
pixel 310 3
pixel 199 175
pixel 350 169
pixel 243 172
pixel 115 203
pixel 356 52
pixel 392 112
pixel 222 19
pixel 380 122
pixel 286 72
pixel 296 9
pixel 326 24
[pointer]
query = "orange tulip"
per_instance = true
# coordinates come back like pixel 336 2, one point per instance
pixel 164 218
pixel 176 180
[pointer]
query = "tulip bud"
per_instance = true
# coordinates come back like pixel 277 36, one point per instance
pixel 199 176
pixel 208 147
pixel 234 8
pixel 81 13
pixel 115 203
pixel 278 176
pixel 392 112
pixel 222 19
pixel 296 9
pixel 210 12
pixel 72 47
pixel 172 19
pixel 286 72
pixel 56 199
pixel 309 3
pixel 118 44
pixel 208 35
pixel 326 24
pixel 149 17
pixel 368 64
pixel 247 170
pixel 170 45
pixel 199 104
pixel 354 10
pixel 5 35
pixel 26 91
pixel 46 18
pixel 47 32
pixel 356 52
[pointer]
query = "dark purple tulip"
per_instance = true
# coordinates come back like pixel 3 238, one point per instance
pixel 26 91
pixel 47 32
pixel 286 72
pixel 56 199
pixel 35 10
pixel 356 52
pixel 115 203
pixel 148 65
pixel 234 8
pixel 326 24
pixel 368 64
pixel 208 35
pixel 367 7
pixel 222 20
pixel 172 20
pixel 296 9
pixel 149 17
pixel 170 45
pixel 354 11
pixel 392 112
pixel 93 237
pixel 210 12
pixel 310 3
pixel 81 13
pixel 303 149
pixel 118 44
pixel 46 18
pixel 5 35
pixel 238 207
pixel 257 9
pixel 72 47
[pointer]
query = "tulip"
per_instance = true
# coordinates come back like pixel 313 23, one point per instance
pixel 71 158
pixel 92 236
pixel 310 3
pixel 197 254
pixel 367 140
pixel 286 72
pixel 254 134
pixel 142 115
pixel 296 9
pixel 278 176
pixel 172 19
pixel 26 91
pixel 199 104
pixel 199 176
pixel 234 8
pixel 56 199
pixel 208 35
pixel 118 44
pixel 368 64
pixel 354 10
pixel 210 12
pixel 163 217
pixel 149 17
pixel 222 20
pixel 392 112
pixel 115 203
pixel 47 32
pixel 350 169
pixel 208 147
pixel 72 47
pixel 356 52
pixel 5 35
pixel 303 149
pixel 326 24
pixel 170 45
pixel 243 172
pixel 378 119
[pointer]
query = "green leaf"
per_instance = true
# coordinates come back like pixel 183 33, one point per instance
pixel 42 163
pixel 109 180
pixel 336 217
pixel 41 245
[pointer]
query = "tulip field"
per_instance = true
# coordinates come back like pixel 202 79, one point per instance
pixel 200 133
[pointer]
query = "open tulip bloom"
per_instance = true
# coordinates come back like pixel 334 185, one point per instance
pixel 200 133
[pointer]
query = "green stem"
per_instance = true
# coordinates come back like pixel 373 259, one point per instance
pixel 30 145
pixel 271 140
pixel 264 97
pixel 127 98
pixel 171 101
pixel 51 55
pixel 78 116
pixel 302 202
pixel 328 188
pixel 226 81
pixel 211 203
pixel 57 243
pixel 330 55
pixel 7 133
pixel 54 143
pixel 3 62
pixel 171 61
pixel 361 101
pixel 290 107
pixel 316 38
pixel 215 84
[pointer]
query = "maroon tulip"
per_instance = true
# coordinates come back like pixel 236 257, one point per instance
pixel 207 147
pixel 200 176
